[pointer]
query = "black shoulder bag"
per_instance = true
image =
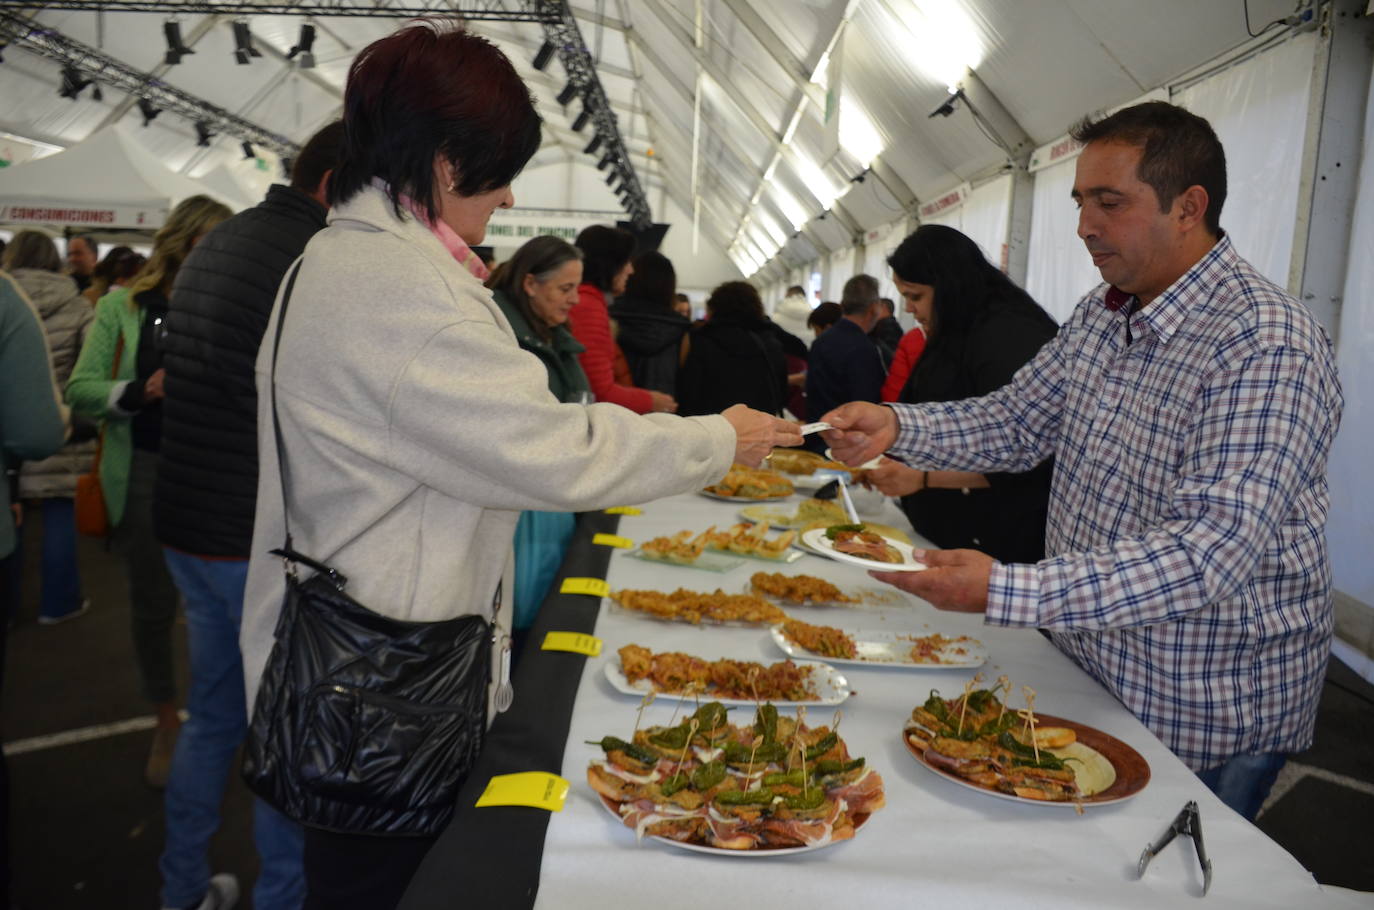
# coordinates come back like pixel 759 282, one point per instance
pixel 363 724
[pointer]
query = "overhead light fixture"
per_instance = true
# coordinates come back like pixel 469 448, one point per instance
pixel 244 50
pixel 248 149
pixel 593 145
pixel 303 46
pixel 545 54
pixel 605 162
pixel 581 120
pixel 148 110
pixel 611 177
pixel 944 110
pixel 568 93
pixel 97 94
pixel 171 29
pixel 72 83
pixel 287 165
pixel 3 45
pixel 203 134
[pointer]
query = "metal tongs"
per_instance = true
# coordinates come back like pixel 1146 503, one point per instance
pixel 1190 823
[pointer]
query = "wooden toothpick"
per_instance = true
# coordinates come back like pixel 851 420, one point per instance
pixel 1028 715
pixel 691 734
pixel 1004 683
pixel 963 701
pixel 644 702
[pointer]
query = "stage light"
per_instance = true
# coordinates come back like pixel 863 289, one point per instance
pixel 148 110
pixel 304 45
pixel 244 50
pixel 605 162
pixel 97 94
pixel 593 145
pixel 203 134
pixel 248 149
pixel 944 110
pixel 611 177
pixel 72 83
pixel 545 54
pixel 568 93
pixel 581 120
pixel 171 29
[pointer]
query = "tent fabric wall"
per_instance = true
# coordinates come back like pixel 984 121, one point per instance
pixel 1059 271
pixel 1245 104
pixel 984 217
pixel 1350 527
pixel 839 269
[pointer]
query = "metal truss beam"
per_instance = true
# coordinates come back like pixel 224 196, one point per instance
pixel 471 10
pixel 111 73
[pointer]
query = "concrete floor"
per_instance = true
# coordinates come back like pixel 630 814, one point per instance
pixel 87 831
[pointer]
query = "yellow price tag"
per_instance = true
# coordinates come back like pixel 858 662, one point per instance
pixel 576 642
pixel 539 789
pixel 625 510
pixel 613 540
pixel 596 587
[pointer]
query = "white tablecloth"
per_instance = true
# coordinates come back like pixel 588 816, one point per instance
pixel 936 844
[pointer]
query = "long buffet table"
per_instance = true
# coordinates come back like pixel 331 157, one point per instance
pixel 935 844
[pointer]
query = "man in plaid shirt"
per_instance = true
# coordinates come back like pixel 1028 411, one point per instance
pixel 1190 405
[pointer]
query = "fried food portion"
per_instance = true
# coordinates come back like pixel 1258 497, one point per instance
pixel 751 483
pixel 928 649
pixel 748 540
pixel 693 607
pixel 824 640
pixel 681 548
pixel 674 672
pixel 798 589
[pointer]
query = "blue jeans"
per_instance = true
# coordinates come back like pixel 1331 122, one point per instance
pixel 1245 780
pixel 61 575
pixel 213 592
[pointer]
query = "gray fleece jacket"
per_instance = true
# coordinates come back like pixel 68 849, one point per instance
pixel 416 430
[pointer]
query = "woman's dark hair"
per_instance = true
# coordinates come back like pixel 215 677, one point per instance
pixel 654 280
pixel 965 283
pixel 605 250
pixel 824 315
pixel 738 300
pixel 433 88
pixel 105 269
pixel 540 257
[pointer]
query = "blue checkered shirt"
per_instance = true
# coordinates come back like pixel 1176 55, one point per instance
pixel 1187 567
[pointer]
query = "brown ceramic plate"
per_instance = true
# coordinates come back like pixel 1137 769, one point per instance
pixel 1131 773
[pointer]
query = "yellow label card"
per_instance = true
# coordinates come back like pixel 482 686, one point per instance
pixel 596 587
pixel 539 789
pixel 613 540
pixel 625 510
pixel 576 642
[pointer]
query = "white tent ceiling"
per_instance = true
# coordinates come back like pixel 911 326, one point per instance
pixel 731 79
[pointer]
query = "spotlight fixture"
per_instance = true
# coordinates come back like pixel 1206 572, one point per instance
pixel 604 163
pixel 203 134
pixel 581 120
pixel 568 93
pixel 3 45
pixel 72 83
pixel 610 178
pixel 97 94
pixel 248 149
pixel 593 145
pixel 287 165
pixel 171 29
pixel 947 108
pixel 304 45
pixel 545 54
pixel 148 110
pixel 244 50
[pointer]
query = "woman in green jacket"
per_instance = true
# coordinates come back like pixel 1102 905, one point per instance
pixel 118 380
pixel 535 289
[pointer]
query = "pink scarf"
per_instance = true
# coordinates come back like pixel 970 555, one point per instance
pixel 456 246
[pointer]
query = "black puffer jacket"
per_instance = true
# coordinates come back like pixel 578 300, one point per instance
pixel 733 361
pixel 650 338
pixel 208 478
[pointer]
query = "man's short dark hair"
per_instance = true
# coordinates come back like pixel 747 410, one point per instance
pixel 824 315
pixel 888 305
pixel 795 290
pixel 858 295
pixel 737 300
pixel 433 88
pixel 1179 149
pixel 319 156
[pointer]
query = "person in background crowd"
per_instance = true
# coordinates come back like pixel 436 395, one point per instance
pixel 649 331
pixel 32 426
pixel 823 317
pixel 887 331
pixel 606 266
pixel 33 262
pixel 793 314
pixel 735 358
pixel 203 507
pixel 82 258
pixel 908 354
pixel 980 328
pixel 795 354
pixel 536 289
pixel 117 269
pixel 845 364
pixel 1190 405
pixel 118 379
pixel 414 433
pixel 682 305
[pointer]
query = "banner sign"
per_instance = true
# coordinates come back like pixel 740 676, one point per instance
pixel 951 200
pixel 84 215
pixel 515 227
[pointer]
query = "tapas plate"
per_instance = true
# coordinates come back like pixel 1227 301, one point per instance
pixel 1107 769
pixel 709 495
pixel 860 819
pixel 831 687
pixel 708 561
pixel 893 649
pixel 817 541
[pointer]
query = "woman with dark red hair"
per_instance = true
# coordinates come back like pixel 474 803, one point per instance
pixel 413 431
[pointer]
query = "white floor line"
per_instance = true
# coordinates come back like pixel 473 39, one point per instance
pixel 1353 658
pixel 1296 771
pixel 82 735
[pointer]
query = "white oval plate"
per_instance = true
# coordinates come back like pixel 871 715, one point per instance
pixel 859 822
pixel 881 647
pixel 816 540
pixel 709 495
pixel 830 685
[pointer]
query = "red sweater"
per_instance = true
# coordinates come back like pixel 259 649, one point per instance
pixel 909 351
pixel 590 324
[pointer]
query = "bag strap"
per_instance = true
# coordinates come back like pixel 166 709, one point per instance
pixel 100 440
